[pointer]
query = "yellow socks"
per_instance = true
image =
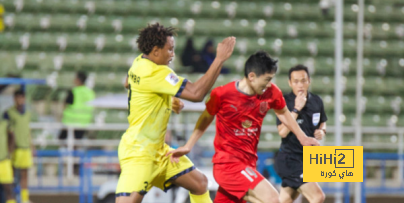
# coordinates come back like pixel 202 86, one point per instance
pixel 11 201
pixel 24 195
pixel 204 198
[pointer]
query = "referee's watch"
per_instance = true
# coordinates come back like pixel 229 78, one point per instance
pixel 296 111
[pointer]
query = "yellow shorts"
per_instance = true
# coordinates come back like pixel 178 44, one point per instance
pixel 6 172
pixel 140 175
pixel 22 158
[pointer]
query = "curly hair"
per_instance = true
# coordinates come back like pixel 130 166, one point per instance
pixel 154 35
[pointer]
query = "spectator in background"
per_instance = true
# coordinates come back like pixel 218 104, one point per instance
pixel 191 58
pixel 77 111
pixel 208 55
pixel 19 119
pixel 1 18
pixel 208 52
pixel 188 53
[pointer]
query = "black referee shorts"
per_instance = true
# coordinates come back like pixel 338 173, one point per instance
pixel 290 168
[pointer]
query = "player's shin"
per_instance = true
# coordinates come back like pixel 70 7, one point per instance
pixel 204 198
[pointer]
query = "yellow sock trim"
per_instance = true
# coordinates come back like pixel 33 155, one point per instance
pixel 204 198
pixel 24 195
pixel 11 201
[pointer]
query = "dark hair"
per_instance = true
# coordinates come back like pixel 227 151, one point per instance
pixel 298 68
pixel 260 63
pixel 153 35
pixel 82 76
pixel 19 92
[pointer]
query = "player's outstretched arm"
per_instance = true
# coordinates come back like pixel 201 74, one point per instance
pixel 196 91
pixel 286 118
pixel 203 123
pixel 283 130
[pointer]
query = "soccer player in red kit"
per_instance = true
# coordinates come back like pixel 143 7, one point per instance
pixel 240 107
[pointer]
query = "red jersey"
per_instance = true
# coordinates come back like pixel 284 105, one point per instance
pixel 238 121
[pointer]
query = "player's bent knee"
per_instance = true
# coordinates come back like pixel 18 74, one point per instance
pixel 202 186
pixel 199 185
pixel 320 198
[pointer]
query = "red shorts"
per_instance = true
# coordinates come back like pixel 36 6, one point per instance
pixel 234 179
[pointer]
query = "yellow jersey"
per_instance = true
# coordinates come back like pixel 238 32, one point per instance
pixel 151 88
pixel 1 18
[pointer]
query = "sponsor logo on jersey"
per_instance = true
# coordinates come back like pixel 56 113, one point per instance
pixel 240 132
pixel 316 118
pixel 299 121
pixel 172 79
pixel 246 124
pixel 249 132
pixel 232 106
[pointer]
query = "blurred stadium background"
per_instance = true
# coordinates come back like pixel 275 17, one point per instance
pixel 53 39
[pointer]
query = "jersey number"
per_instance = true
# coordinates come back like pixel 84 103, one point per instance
pixel 249 174
pixel 129 98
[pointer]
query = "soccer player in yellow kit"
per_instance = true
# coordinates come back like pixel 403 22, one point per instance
pixel 19 119
pixel 152 84
pixel 6 168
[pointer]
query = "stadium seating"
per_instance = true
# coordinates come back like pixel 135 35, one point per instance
pixel 53 39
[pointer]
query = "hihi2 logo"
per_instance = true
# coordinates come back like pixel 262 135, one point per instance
pixel 333 163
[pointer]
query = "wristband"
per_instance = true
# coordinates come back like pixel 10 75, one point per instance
pixel 296 111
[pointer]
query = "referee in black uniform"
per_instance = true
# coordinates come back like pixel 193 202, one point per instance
pixel 308 110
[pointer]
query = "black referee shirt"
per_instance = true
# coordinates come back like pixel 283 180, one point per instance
pixel 309 119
